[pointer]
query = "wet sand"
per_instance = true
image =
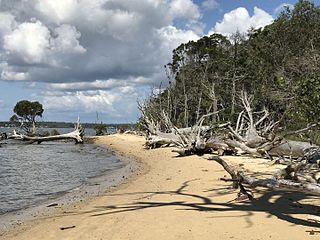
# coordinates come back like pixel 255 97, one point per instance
pixel 178 198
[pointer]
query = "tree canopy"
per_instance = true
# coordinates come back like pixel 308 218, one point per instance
pixel 26 113
pixel 278 64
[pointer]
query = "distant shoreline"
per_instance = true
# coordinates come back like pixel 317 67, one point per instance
pixel 49 124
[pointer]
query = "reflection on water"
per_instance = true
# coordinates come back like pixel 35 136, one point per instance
pixel 32 173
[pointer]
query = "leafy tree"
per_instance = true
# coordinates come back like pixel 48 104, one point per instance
pixel 26 113
pixel 278 64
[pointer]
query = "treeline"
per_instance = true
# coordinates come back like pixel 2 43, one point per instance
pixel 279 65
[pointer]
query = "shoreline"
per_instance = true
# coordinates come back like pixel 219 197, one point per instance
pixel 178 198
pixel 61 201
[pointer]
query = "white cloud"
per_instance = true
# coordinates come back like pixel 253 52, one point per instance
pixel 240 20
pixel 7 73
pixel 209 4
pixel 120 102
pixel 7 22
pixel 172 37
pixel 15 76
pixel 94 52
pixel 97 84
pixel 57 11
pixel 67 40
pixel 85 100
pixel 260 18
pixel 30 41
pixel 184 9
pixel 33 43
pixel 100 84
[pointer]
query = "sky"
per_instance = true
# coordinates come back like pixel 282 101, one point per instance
pixel 97 58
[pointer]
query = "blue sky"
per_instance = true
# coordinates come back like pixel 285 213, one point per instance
pixel 88 56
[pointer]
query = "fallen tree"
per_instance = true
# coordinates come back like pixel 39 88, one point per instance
pixel 254 133
pixel 302 176
pixel 257 134
pixel 197 139
pixel 76 135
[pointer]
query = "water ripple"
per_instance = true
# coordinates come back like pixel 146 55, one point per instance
pixel 32 173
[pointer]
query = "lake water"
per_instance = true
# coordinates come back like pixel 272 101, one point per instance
pixel 30 174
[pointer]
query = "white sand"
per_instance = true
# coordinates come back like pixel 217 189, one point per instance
pixel 178 198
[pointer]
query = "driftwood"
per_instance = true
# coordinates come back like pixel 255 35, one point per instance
pixel 197 139
pixel 3 136
pixel 76 135
pixel 254 133
pixel 298 177
pixel 314 218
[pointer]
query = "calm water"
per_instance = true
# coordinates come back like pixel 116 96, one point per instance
pixel 32 173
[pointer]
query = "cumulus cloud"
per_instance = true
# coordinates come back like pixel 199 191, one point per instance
pixel 209 4
pixel 16 76
pixel 30 41
pixel 7 22
pixel 57 11
pixel 171 37
pixel 100 84
pixel 93 52
pixel 67 40
pixel 184 9
pixel 110 102
pixel 240 20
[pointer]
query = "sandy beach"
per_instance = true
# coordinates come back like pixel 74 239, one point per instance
pixel 178 198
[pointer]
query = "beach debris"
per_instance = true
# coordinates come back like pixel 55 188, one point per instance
pixel 313 218
pixel 76 135
pixel 313 232
pixel 53 205
pixel 255 133
pixel 69 227
pixel 3 136
pixel 296 176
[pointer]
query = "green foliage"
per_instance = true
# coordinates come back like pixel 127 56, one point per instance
pixel 28 110
pixel 26 113
pixel 279 65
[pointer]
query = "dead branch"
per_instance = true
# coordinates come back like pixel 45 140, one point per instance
pixel 276 182
pixel 76 135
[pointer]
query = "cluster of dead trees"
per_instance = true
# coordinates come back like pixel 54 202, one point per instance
pixel 254 133
pixel 76 135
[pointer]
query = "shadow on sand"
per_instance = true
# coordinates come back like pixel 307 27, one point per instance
pixel 281 204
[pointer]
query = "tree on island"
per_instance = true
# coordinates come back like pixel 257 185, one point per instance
pixel 26 113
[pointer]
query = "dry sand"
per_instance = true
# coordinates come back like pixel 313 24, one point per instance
pixel 178 198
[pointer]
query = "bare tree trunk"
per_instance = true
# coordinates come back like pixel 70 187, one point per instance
pixel 214 103
pixel 76 135
pixel 198 110
pixel 33 127
pixel 186 124
pixel 279 180
pixel 233 95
